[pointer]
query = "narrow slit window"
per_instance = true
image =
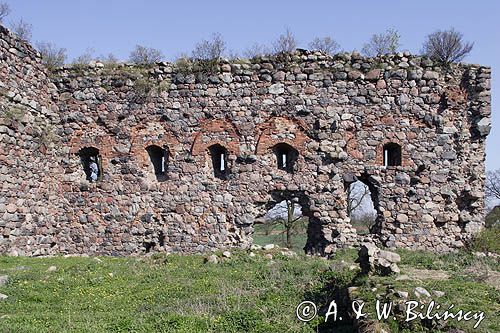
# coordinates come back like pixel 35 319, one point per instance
pixel 159 159
pixel 286 157
pixel 91 163
pixel 392 154
pixel 218 155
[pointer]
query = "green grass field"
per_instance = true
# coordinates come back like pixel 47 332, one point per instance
pixel 276 235
pixel 182 293
pixel 158 294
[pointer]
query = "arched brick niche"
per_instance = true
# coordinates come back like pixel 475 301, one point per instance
pixel 281 130
pixel 148 139
pixel 87 146
pixel 216 132
pixel 216 145
pixel 93 137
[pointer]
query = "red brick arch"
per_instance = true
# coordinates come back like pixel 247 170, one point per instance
pixel 152 134
pixel 213 132
pixel 94 137
pixel 281 130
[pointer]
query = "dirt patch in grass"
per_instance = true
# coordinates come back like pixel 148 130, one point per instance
pixel 482 272
pixel 426 274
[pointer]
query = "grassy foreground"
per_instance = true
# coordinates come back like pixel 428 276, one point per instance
pixel 178 293
pixel 157 294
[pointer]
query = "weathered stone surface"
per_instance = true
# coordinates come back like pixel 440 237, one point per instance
pixel 421 292
pixel 392 257
pixel 430 75
pixel 4 279
pixel 484 126
pixel 276 89
pixel 402 218
pixel 374 74
pixel 337 113
pixel 268 247
pixel 373 260
pixel 212 259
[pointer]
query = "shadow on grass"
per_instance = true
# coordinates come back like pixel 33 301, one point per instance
pixel 334 287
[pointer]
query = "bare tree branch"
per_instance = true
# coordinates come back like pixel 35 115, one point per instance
pixel 446 46
pixel 210 49
pixel 383 43
pixel 256 50
pixel 22 29
pixel 288 218
pixel 145 55
pixel 286 43
pixel 492 185
pixel 52 56
pixel 4 11
pixel 325 44
pixel 108 59
pixel 85 58
pixel 355 198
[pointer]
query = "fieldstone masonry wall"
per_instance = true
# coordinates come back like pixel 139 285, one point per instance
pixel 336 112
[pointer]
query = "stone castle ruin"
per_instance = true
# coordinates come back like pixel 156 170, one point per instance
pixel 188 159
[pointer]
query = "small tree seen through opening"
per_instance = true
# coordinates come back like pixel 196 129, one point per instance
pixel 284 224
pixel 360 206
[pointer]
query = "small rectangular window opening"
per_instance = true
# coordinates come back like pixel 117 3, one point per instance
pixel 92 163
pixel 159 161
pixel 218 155
pixel 392 154
pixel 286 157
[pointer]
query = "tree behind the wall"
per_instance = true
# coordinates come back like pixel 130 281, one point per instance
pixel 22 29
pixel 383 43
pixel 52 56
pixel 145 56
pixel 446 46
pixel 288 215
pixel 325 44
pixel 4 11
pixel 492 186
pixel 286 43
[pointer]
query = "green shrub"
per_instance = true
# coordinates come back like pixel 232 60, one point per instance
pixel 488 240
pixel 493 218
pixel 143 86
pixel 201 68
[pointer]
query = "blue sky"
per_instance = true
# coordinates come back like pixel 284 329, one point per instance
pixel 176 26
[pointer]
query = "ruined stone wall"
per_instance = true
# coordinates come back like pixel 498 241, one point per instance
pixel 337 113
pixel 28 119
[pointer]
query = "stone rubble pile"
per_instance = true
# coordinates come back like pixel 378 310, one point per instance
pixel 373 260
